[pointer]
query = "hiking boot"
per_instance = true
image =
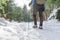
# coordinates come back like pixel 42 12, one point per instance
pixel 40 27
pixel 35 26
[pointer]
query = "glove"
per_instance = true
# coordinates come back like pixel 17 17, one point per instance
pixel 29 4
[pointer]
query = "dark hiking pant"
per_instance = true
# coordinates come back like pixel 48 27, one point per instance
pixel 40 9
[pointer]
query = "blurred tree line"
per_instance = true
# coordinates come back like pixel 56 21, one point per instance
pixel 51 4
pixel 10 11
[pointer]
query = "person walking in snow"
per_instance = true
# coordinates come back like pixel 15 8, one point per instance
pixel 38 5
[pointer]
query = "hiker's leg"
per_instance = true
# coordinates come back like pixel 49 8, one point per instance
pixel 34 16
pixel 41 19
pixel 41 15
pixel 35 20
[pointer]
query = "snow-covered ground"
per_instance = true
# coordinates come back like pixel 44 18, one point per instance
pixel 25 31
pixel 21 31
pixel 51 31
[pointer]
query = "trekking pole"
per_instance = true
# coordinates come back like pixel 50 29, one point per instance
pixel 27 15
pixel 28 20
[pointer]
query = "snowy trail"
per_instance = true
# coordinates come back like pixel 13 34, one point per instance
pixel 50 32
pixel 21 31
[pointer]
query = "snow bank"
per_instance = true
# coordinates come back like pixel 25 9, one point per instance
pixel 10 31
pixel 53 14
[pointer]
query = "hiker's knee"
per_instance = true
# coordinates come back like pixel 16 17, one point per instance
pixel 34 15
pixel 40 14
